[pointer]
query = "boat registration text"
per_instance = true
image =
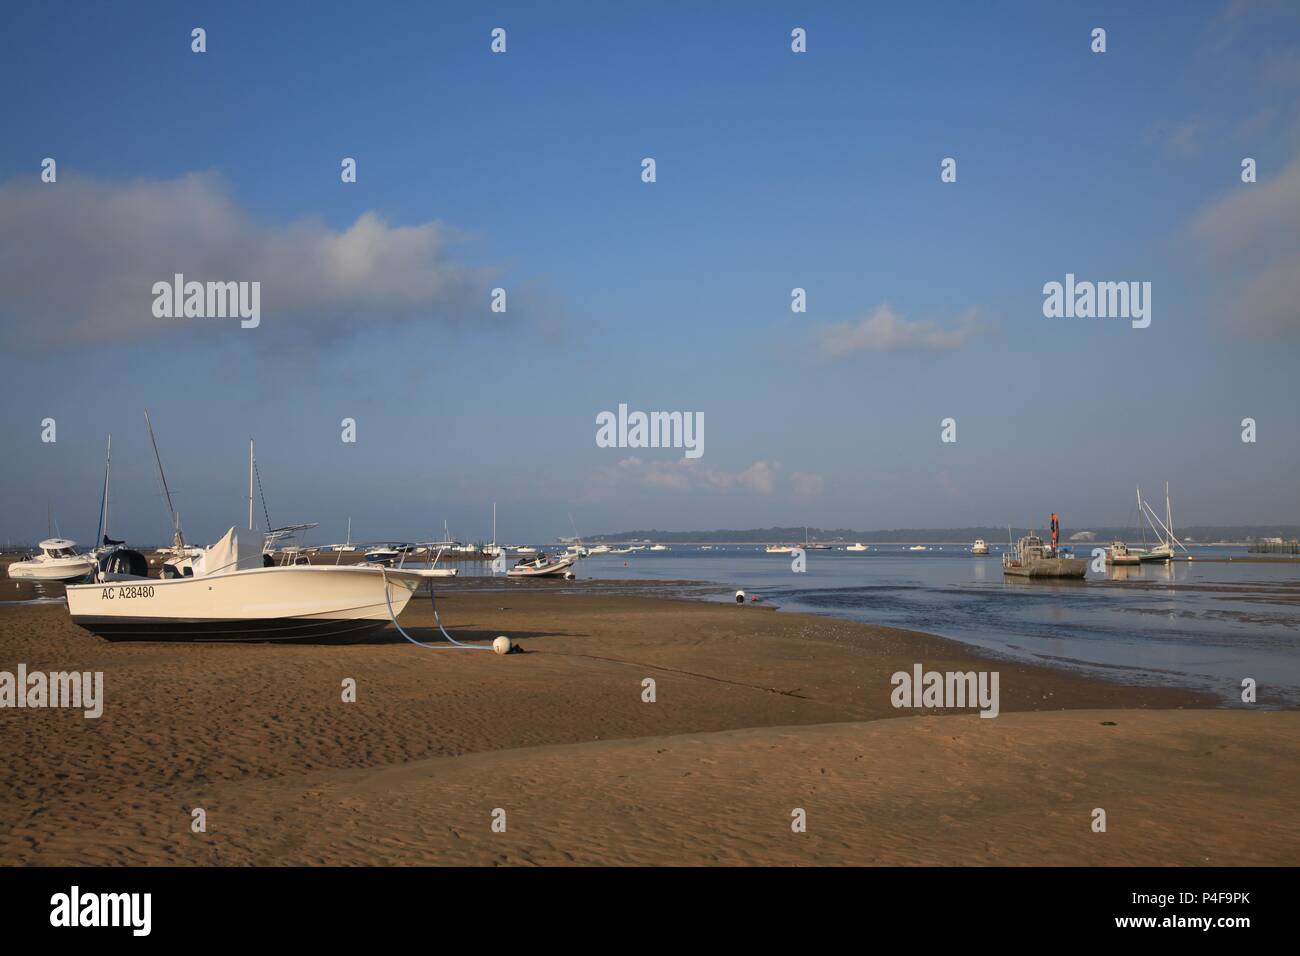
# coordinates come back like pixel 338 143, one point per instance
pixel 127 591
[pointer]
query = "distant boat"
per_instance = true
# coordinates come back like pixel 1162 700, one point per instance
pixel 659 547
pixel 58 560
pixel 347 545
pixel 856 547
pixel 918 547
pixel 1120 554
pixel 544 566
pixel 1035 559
pixel 381 554
pixel 779 549
pixel 979 547
pixel 493 549
pixel 1164 551
pixel 525 549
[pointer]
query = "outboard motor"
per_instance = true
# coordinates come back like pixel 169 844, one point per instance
pixel 122 563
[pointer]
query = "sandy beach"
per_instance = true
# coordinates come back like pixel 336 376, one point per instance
pixel 757 715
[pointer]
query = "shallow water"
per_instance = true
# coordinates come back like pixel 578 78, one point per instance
pixel 1201 623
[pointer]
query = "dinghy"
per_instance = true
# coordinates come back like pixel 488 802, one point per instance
pixel 544 566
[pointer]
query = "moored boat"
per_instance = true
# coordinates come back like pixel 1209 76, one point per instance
pixel 58 560
pixel 1033 558
pixel 544 566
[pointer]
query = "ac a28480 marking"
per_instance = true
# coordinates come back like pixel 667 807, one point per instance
pixel 128 591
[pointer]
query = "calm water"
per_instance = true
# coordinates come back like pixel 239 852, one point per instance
pixel 1202 623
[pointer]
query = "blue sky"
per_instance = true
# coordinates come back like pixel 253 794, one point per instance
pixel 775 170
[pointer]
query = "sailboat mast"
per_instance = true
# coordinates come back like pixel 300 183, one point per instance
pixel 1169 516
pixel 177 539
pixel 108 469
pixel 250 484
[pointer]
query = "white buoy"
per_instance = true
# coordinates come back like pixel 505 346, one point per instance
pixel 740 597
pixel 501 645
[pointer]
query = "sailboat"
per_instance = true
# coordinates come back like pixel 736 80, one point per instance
pixel 227 593
pixel 1164 551
pixel 493 549
pixel 347 546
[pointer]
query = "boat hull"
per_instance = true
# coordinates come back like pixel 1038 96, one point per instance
pixel 50 570
pixel 303 603
pixel 556 569
pixel 1049 568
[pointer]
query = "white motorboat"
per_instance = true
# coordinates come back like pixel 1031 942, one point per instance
pixel 544 566
pixel 979 547
pixel 918 547
pixel 58 560
pixel 525 549
pixel 230 596
pixel 381 554
pixel 659 547
pixel 779 549
pixel 856 547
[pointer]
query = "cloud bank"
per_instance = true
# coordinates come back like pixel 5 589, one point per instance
pixel 79 257
pixel 1251 243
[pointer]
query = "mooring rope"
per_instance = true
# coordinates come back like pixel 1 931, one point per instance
pixel 452 642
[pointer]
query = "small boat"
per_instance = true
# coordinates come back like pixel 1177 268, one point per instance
pixel 979 547
pixel 918 547
pixel 1120 554
pixel 382 554
pixel 58 560
pixel 779 548
pixel 659 547
pixel 525 549
pixel 1035 559
pixel 856 547
pixel 347 546
pixel 544 566
pixel 623 550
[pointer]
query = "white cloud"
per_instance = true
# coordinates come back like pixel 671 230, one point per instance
pixel 884 330
pixel 1251 242
pixel 78 260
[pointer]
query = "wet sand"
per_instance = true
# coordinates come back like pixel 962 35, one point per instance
pixel 756 714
